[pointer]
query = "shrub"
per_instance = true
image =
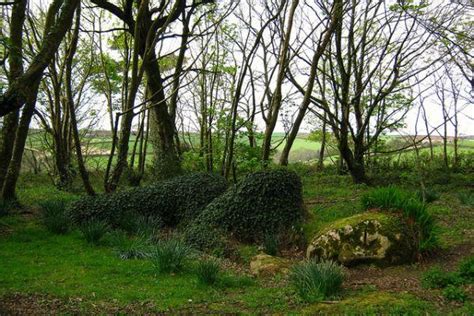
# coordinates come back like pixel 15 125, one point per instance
pixel 54 216
pixel 94 230
pixel 207 272
pixel 436 278
pixel 169 256
pixel 137 247
pixel 454 293
pixel 314 281
pixel 466 269
pixel 172 201
pixel 415 212
pixel 265 202
pixel 466 198
pixel 6 207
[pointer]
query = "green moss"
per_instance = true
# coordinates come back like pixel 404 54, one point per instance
pixel 387 221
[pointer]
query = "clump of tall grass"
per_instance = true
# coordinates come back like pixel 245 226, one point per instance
pixel 392 198
pixel 169 256
pixel 94 230
pixel 130 247
pixel 315 281
pixel 207 271
pixel 54 216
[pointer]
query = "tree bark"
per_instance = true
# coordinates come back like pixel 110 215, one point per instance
pixel 71 106
pixel 18 93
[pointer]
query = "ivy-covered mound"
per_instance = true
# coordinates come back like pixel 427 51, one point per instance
pixel 261 204
pixel 174 201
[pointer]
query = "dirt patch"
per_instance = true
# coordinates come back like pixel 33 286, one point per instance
pixel 39 304
pixel 407 278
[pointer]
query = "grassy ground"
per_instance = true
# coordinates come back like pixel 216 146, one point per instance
pixel 43 273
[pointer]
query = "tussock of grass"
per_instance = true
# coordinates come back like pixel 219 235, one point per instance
pixel 54 216
pixel 315 281
pixel 169 256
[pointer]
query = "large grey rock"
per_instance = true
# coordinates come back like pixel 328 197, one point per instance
pixel 368 237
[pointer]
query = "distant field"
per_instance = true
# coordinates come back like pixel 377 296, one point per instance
pixel 97 148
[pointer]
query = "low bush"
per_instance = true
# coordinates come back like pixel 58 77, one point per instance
pixel 207 272
pixel 54 216
pixel 169 256
pixel 415 212
pixel 262 203
pixel 173 201
pixel 437 278
pixel 315 281
pixel 454 293
pixel 94 230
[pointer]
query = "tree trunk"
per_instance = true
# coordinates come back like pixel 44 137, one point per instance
pixel 72 111
pixel 10 125
pixel 15 59
pixel 18 93
pixel 276 100
pixel 9 185
pixel 323 145
pixel 166 161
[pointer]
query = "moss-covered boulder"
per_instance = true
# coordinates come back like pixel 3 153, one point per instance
pixel 266 265
pixel 370 237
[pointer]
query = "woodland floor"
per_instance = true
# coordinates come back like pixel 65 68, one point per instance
pixel 43 274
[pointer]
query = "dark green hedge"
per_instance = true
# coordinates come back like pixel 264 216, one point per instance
pixel 262 203
pixel 173 201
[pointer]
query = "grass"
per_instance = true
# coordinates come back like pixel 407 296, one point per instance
pixel 315 281
pixel 207 271
pixel 170 256
pixel 66 266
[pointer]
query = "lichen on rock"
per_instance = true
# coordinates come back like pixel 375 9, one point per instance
pixel 368 237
